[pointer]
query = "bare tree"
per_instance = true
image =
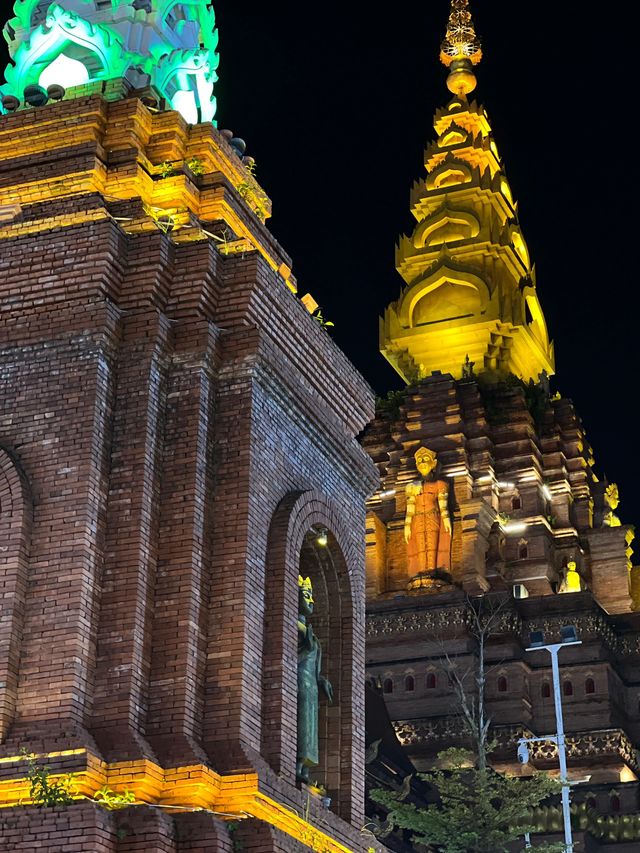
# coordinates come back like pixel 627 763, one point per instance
pixel 485 615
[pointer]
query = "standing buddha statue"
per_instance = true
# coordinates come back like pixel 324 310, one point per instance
pixel 427 524
pixel 309 682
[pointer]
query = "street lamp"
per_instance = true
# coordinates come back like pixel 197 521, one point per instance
pixel 569 638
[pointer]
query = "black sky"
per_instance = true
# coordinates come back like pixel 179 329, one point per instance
pixel 336 102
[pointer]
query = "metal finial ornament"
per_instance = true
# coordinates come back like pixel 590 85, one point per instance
pixel 461 49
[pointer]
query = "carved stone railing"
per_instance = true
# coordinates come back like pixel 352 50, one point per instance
pixel 590 745
pixel 440 621
pixel 400 622
pixel 438 732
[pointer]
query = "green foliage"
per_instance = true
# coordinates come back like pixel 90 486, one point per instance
pixel 232 827
pixel 113 800
pixel 317 315
pixel 195 165
pixel 480 810
pixel 166 169
pixel 558 847
pixel 491 386
pixel 536 399
pixel 389 406
pixel 252 193
pixel 44 791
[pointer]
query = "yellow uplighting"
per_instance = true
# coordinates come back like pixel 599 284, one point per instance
pixel 470 293
pixel 191 787
pixel 174 195
pixel 514 526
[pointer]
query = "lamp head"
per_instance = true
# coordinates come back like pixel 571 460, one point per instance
pixel 536 639
pixel 568 634
pixel 523 752
pixel 322 539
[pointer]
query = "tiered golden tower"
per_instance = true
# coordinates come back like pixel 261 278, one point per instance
pixel 470 294
pixel 489 498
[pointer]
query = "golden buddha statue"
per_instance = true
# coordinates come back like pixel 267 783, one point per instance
pixel 427 524
pixel 571 581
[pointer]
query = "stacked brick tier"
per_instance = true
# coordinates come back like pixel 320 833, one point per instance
pixel 524 501
pixel 524 495
pixel 173 424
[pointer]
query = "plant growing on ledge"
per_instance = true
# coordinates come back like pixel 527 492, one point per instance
pixel 389 406
pixel 166 169
pixel 318 316
pixel 252 193
pixel 43 791
pixel 195 165
pixel 113 800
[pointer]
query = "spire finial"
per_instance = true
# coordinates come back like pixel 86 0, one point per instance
pixel 460 50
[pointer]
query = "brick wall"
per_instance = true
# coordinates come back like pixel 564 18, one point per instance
pixel 164 401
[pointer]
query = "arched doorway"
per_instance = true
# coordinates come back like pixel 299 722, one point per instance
pixel 305 540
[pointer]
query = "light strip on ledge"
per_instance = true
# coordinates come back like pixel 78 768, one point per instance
pixel 193 787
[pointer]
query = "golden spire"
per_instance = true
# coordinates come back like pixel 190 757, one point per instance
pixel 470 296
pixel 460 50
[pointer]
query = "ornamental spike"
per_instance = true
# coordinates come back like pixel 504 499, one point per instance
pixel 460 49
pixel 304 583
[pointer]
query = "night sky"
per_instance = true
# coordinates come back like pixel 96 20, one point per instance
pixel 336 104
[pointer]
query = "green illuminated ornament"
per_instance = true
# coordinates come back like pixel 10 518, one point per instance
pixel 166 47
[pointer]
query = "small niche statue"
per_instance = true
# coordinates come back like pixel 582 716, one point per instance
pixel 309 682
pixel 467 368
pixel 427 524
pixel 571 581
pixel 612 500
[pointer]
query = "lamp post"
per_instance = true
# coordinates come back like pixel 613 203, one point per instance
pixel 569 638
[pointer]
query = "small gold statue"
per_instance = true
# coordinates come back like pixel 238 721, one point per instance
pixel 427 525
pixel 612 499
pixel 571 582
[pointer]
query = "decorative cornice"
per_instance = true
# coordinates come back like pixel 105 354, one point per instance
pixel 433 620
pixel 591 625
pixel 438 730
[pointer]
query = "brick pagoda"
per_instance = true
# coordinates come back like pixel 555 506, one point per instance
pixel 177 436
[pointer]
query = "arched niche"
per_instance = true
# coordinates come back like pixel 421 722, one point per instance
pixel 64 71
pixel 505 189
pixel 97 47
pixel 62 65
pixel 446 226
pixel 293 550
pixel 454 135
pixel 15 533
pixel 449 173
pixel 445 294
pixel 187 79
pixel 178 14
